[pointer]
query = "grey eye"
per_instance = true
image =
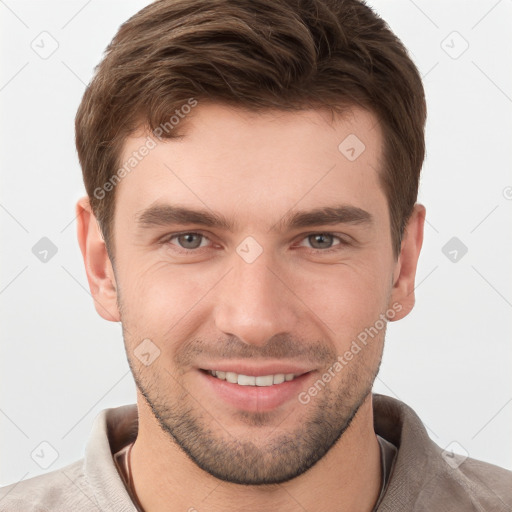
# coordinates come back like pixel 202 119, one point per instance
pixel 321 240
pixel 189 240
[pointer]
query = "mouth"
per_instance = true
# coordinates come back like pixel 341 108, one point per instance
pixel 255 390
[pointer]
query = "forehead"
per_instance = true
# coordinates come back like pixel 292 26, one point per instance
pixel 256 163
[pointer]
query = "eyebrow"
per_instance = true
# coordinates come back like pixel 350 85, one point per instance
pixel 166 215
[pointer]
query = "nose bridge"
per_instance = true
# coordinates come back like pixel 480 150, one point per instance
pixel 254 302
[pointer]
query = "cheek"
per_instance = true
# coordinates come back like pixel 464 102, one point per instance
pixel 158 296
pixel 346 298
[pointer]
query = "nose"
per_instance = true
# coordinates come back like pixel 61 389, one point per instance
pixel 256 301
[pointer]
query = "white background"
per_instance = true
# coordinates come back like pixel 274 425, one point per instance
pixel 451 359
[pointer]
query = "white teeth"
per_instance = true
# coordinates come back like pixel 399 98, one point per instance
pixel 250 380
pixel 231 377
pixel 266 380
pixel 246 380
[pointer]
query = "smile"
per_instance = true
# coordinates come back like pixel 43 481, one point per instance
pixel 252 380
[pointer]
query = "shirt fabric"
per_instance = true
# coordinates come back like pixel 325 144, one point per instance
pixel 421 477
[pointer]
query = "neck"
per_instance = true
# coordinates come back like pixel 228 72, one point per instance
pixel 348 477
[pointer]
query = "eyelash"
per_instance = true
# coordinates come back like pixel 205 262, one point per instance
pixel 181 250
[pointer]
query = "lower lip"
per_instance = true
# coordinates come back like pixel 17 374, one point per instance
pixel 255 398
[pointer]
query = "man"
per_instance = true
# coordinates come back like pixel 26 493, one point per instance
pixel 252 172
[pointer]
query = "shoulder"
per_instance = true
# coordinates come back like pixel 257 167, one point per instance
pixel 426 477
pixel 63 489
pixel 473 485
pixel 485 484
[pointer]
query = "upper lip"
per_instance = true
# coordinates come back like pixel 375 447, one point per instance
pixel 255 370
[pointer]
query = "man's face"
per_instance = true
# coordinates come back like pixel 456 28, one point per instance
pixel 261 297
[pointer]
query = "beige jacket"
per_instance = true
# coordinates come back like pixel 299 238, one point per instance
pixel 423 478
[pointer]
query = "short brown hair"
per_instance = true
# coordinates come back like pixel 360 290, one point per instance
pixel 258 55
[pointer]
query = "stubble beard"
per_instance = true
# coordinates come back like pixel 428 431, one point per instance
pixel 206 439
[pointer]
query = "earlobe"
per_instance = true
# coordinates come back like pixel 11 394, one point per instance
pixel 98 267
pixel 405 271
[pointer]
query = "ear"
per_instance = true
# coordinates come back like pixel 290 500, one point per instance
pixel 98 267
pixel 405 269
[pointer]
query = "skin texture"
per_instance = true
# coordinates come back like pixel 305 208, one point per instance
pixel 201 303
